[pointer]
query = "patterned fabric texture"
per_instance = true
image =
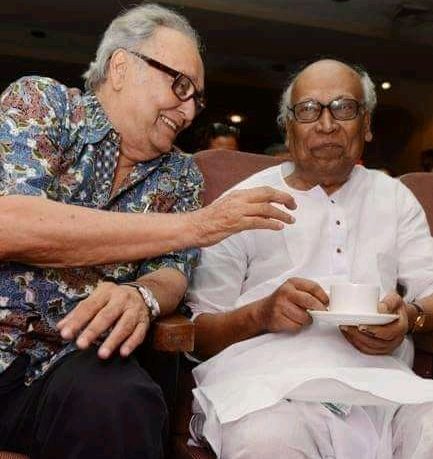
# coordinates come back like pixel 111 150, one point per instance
pixel 57 143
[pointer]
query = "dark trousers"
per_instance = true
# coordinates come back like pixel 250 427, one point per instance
pixel 83 408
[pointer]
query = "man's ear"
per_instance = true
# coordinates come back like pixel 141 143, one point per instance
pixel 368 135
pixel 117 68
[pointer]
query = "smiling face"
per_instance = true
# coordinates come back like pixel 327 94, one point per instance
pixel 142 105
pixel 325 151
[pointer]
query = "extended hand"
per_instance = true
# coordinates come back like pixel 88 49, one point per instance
pixel 286 308
pixel 380 339
pixel 242 210
pixel 110 306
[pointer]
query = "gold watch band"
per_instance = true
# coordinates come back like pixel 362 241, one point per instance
pixel 419 319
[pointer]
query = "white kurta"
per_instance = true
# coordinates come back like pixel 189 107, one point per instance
pixel 372 230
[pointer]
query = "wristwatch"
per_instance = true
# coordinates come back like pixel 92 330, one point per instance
pixel 149 300
pixel 419 319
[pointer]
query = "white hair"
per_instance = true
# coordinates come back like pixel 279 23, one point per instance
pixel 131 28
pixel 368 88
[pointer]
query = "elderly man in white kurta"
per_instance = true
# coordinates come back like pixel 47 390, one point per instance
pixel 280 385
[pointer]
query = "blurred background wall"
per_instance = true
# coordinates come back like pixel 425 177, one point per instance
pixel 251 48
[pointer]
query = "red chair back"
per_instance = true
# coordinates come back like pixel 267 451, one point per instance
pixel 223 169
pixel 421 185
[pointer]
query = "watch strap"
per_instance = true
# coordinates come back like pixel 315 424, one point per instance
pixel 419 319
pixel 149 299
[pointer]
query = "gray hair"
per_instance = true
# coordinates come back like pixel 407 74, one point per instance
pixel 368 87
pixel 129 29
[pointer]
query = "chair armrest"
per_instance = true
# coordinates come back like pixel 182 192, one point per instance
pixel 424 342
pixel 423 364
pixel 174 333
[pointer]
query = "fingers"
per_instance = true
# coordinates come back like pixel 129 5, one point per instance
pixel 264 222
pixel 298 316
pixel 390 303
pixel 282 315
pixel 135 339
pixel 80 316
pixel 304 293
pixel 364 343
pixel 126 331
pixel 318 299
pixel 101 323
pixel 269 194
pixel 110 306
pixel 386 332
pixel 287 307
pixel 256 203
pixel 242 210
pixel 266 210
pixel 287 323
pixel 367 343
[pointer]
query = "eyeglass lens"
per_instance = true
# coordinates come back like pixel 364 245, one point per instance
pixel 341 109
pixel 182 86
pixel 184 90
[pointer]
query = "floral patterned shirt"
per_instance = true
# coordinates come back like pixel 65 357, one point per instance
pixel 57 143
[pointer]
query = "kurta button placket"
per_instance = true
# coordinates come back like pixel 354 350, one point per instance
pixel 338 235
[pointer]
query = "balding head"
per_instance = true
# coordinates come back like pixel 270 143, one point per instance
pixel 329 126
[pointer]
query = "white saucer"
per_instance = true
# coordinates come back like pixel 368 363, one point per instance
pixel 349 318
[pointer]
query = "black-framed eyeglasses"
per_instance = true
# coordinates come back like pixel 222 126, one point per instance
pixel 183 88
pixel 341 109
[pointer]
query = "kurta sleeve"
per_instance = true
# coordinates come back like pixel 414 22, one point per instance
pixel 217 280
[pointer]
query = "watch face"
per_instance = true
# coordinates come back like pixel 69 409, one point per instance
pixel 422 321
pixel 419 321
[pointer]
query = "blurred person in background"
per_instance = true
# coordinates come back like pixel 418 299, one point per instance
pixel 219 136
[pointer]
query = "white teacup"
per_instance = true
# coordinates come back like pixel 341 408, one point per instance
pixel 354 298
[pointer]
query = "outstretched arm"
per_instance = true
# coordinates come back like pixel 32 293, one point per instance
pixel 41 232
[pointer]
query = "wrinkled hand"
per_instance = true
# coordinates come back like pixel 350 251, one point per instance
pixel 242 210
pixel 380 339
pixel 119 307
pixel 286 308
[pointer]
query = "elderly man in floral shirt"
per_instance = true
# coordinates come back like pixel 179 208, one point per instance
pixel 96 239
